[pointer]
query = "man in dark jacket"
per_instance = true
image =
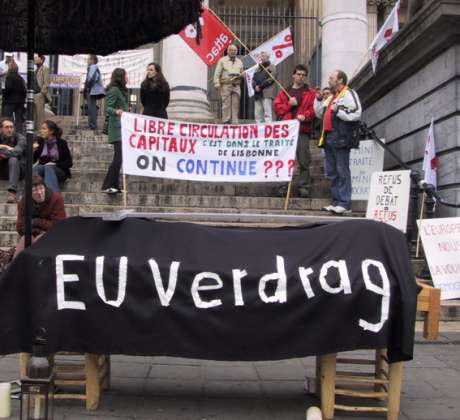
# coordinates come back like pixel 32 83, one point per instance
pixel 47 210
pixel 264 89
pixel 299 105
pixel 12 156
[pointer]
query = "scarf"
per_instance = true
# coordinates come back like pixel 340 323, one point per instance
pixel 50 150
pixel 329 103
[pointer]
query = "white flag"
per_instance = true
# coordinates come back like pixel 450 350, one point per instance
pixel 387 31
pixel 430 161
pixel 278 47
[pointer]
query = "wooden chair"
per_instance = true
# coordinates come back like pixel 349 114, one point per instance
pixel 384 381
pixel 88 373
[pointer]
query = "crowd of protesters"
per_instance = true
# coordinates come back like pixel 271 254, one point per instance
pixel 336 106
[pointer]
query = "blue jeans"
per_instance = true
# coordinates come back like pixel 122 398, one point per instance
pixel 338 171
pixel 51 175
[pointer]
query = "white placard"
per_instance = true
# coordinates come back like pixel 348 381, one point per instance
pixel 160 148
pixel 363 163
pixel 441 242
pixel 389 198
pixel 135 63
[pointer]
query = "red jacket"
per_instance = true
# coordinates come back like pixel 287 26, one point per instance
pixel 45 216
pixel 284 110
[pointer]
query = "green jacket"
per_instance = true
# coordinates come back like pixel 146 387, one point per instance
pixel 115 99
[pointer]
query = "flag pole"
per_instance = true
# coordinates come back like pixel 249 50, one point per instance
pixel 247 49
pixel 125 191
pixel 286 202
pixel 421 218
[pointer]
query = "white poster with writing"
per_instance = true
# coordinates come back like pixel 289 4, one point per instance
pixel 135 63
pixel 389 198
pixel 363 163
pixel 441 242
pixel 160 148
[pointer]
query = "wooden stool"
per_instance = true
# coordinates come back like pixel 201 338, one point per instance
pixel 383 383
pixel 90 371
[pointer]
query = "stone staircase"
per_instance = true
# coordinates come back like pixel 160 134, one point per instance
pixel 92 155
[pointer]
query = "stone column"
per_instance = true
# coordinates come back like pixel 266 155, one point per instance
pixel 372 19
pixel 345 37
pixel 187 77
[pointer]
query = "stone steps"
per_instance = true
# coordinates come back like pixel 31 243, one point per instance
pixel 200 201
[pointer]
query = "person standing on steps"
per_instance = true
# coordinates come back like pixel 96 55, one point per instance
pixel 299 105
pixel 339 114
pixel 264 89
pixel 94 90
pixel 41 85
pixel 155 92
pixel 227 80
pixel 14 96
pixel 116 102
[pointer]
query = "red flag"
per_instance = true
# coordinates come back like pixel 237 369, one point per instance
pixel 215 37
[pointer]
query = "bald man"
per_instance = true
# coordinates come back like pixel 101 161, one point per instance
pixel 227 79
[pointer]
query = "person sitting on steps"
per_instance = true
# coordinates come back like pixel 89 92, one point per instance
pixel 47 209
pixel 52 156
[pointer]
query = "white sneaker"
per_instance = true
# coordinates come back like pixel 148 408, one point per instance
pixel 110 190
pixel 330 207
pixel 340 210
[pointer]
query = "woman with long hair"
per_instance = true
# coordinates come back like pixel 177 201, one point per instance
pixel 52 156
pixel 155 92
pixel 14 96
pixel 116 102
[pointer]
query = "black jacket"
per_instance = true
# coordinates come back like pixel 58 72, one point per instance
pixel 154 100
pixel 15 90
pixel 65 158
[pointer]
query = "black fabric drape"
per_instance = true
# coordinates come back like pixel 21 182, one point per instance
pixel 93 26
pixel 310 322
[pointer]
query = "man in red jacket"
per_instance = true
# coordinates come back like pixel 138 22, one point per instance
pixel 299 105
pixel 47 210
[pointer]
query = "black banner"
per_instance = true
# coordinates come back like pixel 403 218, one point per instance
pixel 142 287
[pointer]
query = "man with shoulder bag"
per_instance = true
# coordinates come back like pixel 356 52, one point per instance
pixel 340 114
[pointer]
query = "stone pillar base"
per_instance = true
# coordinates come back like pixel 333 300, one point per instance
pixel 189 103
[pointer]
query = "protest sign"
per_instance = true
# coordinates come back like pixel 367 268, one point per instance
pixel 160 148
pixel 363 163
pixel 229 294
pixel 65 81
pixel 135 63
pixel 389 198
pixel 441 242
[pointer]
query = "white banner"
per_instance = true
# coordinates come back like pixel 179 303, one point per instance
pixel 135 63
pixel 389 198
pixel 160 148
pixel 441 243
pixel 279 47
pixel 363 163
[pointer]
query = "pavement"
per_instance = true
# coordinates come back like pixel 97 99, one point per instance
pixel 164 388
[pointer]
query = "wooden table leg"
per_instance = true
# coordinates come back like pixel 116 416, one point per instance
pixel 23 361
pixel 394 390
pixel 328 368
pixel 93 385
